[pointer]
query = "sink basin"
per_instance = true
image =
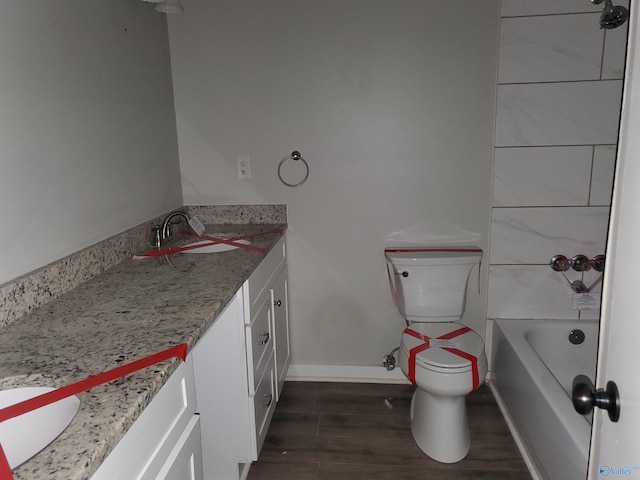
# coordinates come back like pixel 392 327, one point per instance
pixel 216 248
pixel 24 436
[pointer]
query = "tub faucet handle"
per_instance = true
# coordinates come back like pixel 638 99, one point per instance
pixel 597 263
pixel 581 263
pixel 560 263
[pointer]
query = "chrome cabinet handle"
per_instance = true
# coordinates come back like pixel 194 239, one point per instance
pixel 265 338
pixel 270 397
pixel 278 303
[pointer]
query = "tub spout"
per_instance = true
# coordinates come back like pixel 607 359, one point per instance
pixel 578 286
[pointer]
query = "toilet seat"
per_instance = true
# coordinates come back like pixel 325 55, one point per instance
pixel 449 348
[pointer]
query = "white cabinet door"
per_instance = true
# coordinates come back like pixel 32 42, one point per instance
pixel 185 461
pixel 220 366
pixel 237 370
pixel 143 450
pixel 281 328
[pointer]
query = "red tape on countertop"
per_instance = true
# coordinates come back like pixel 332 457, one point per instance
pixel 214 241
pixel 179 351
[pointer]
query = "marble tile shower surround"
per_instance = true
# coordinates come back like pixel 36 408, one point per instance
pixel 564 113
pixel 35 289
pixel 557 115
pixel 542 176
pixel 566 57
pixel 516 8
pixel 554 176
pixel 527 235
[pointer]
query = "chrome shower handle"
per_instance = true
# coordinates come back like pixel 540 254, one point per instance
pixel 559 263
pixel 581 263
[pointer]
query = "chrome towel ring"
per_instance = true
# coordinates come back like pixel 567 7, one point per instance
pixel 295 155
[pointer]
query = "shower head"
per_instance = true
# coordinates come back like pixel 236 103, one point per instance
pixel 612 17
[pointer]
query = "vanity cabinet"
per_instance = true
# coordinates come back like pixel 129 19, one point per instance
pixel 164 443
pixel 240 365
pixel 209 421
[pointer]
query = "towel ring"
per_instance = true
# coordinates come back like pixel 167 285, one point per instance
pixel 295 155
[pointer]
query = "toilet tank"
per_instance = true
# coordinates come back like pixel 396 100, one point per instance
pixel 431 283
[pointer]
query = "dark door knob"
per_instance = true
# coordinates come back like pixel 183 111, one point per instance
pixel 584 397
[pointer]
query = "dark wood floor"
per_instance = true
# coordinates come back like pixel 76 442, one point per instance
pixel 346 431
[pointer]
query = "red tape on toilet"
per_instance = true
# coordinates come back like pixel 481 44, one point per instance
pixel 416 250
pixel 427 344
pixel 179 351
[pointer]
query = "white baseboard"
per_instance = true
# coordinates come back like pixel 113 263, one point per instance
pixel 345 373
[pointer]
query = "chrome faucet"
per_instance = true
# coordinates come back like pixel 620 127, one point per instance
pixel 165 231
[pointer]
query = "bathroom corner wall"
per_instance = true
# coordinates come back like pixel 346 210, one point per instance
pixel 88 145
pixel 397 131
pixel 558 104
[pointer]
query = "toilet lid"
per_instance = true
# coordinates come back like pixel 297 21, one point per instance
pixel 443 345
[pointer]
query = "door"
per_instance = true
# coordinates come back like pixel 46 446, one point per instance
pixel 615 446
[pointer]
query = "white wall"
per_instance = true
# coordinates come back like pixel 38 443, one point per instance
pixel 392 104
pixel 557 118
pixel 87 129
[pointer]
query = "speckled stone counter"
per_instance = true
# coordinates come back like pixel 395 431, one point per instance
pixel 134 309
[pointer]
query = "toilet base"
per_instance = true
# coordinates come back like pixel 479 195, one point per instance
pixel 439 426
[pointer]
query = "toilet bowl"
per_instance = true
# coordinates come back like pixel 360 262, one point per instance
pixel 444 370
pixel 442 357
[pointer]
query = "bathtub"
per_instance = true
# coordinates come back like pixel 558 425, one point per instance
pixel 533 369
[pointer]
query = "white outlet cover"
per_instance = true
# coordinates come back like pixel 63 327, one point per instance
pixel 244 167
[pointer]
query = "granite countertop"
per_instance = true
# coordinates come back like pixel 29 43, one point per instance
pixel 135 309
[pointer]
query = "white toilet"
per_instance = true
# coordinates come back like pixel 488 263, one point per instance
pixel 442 357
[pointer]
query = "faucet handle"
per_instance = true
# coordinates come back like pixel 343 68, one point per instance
pixel 598 263
pixel 155 239
pixel 560 263
pixel 581 263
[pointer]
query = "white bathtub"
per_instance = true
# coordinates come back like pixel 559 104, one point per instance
pixel 533 368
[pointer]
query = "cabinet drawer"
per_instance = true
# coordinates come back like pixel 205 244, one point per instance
pixel 264 402
pixel 259 337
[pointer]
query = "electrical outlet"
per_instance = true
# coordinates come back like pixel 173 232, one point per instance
pixel 244 167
